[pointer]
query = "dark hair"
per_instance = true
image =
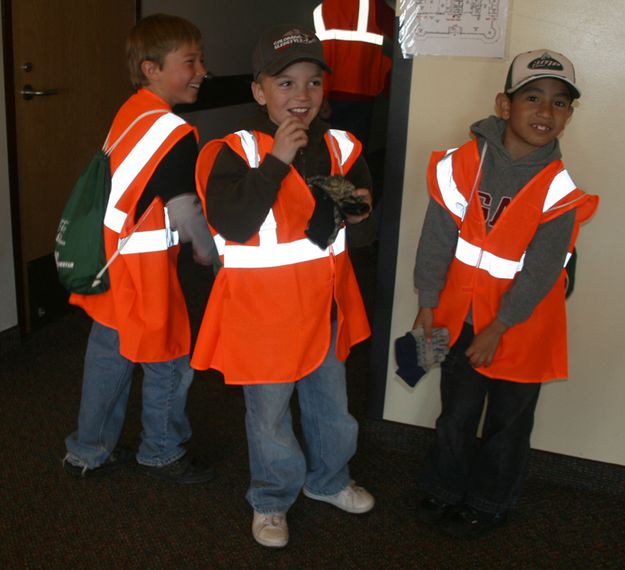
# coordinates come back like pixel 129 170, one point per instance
pixel 569 89
pixel 153 37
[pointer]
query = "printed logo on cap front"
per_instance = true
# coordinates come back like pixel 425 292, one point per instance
pixel 294 36
pixel 545 61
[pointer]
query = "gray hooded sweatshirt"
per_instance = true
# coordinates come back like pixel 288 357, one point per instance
pixel 502 178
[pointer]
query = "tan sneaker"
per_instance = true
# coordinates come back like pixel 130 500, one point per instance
pixel 352 499
pixel 270 529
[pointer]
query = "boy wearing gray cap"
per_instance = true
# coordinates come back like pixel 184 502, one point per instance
pixel 501 225
pixel 285 308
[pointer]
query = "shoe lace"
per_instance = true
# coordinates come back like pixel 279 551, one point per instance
pixel 351 492
pixel 84 467
pixel 275 520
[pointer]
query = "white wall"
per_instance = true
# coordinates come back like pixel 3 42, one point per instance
pixel 8 301
pixel 582 417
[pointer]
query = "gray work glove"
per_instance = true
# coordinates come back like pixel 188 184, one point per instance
pixel 430 354
pixel 186 216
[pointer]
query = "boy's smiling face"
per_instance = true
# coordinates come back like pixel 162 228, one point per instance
pixel 179 78
pixel 537 113
pixel 296 91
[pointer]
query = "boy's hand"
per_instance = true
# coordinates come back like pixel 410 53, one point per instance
pixel 425 318
pixel 290 137
pixel 484 345
pixel 365 196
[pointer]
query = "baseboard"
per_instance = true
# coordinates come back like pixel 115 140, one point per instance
pixel 10 340
pixel 545 466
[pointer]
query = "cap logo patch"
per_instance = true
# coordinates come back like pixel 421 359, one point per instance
pixel 545 61
pixel 294 36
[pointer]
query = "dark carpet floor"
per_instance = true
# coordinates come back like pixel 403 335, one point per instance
pixel 572 514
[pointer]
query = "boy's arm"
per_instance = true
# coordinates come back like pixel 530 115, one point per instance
pixel 434 255
pixel 238 198
pixel 361 231
pixel 173 181
pixel 543 263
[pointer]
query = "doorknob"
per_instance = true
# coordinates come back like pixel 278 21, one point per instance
pixel 28 92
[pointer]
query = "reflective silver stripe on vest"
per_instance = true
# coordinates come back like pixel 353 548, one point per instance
pixel 151 240
pixel 455 202
pixel 360 34
pixel 560 186
pixel 220 243
pixel 270 253
pixel 346 145
pixel 250 147
pixel 125 174
pixel 498 267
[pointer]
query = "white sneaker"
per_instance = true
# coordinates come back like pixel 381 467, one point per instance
pixel 270 529
pixel 352 499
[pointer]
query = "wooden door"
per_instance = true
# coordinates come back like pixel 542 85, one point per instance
pixel 69 76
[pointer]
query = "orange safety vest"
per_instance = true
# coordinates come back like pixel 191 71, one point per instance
pixel 145 303
pixel 352 46
pixel 268 315
pixel 485 264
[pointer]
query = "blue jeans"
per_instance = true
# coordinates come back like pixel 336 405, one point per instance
pixel 278 465
pixel 486 474
pixel 107 379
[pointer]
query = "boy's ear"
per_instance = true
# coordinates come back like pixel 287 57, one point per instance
pixel 502 105
pixel 258 93
pixel 150 69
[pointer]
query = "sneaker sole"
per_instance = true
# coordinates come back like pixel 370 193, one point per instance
pixel 329 501
pixel 267 544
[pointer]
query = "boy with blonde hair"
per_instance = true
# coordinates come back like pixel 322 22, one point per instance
pixel 142 319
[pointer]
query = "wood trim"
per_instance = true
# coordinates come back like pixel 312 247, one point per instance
pixel 11 132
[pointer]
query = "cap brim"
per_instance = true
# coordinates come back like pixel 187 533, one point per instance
pixel 575 92
pixel 279 66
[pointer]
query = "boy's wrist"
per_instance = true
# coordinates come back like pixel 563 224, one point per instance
pixel 274 168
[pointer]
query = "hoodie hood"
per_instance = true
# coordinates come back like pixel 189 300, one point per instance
pixel 502 177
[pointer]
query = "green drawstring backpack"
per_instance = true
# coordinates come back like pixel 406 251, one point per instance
pixel 79 252
pixel 79 248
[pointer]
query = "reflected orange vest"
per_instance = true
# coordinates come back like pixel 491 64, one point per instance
pixel 485 264
pixel 268 315
pixel 145 303
pixel 352 46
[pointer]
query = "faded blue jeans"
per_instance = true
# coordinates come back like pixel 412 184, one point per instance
pixel 107 379
pixel 278 465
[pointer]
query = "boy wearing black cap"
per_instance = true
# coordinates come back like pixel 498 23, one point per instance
pixel 501 225
pixel 285 307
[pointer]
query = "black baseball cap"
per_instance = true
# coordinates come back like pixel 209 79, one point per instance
pixel 281 46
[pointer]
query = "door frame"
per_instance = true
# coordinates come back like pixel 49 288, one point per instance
pixel 11 134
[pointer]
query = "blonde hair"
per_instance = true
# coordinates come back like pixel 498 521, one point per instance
pixel 152 38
